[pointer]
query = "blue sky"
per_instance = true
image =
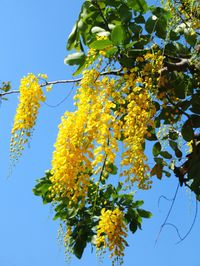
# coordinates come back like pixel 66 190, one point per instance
pixel 33 39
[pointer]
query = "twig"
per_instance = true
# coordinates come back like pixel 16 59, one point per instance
pixel 8 92
pixel 175 105
pixel 175 229
pixel 95 3
pixel 190 229
pixel 168 214
pixel 180 66
pixel 163 197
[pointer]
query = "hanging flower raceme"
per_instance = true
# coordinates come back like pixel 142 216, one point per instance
pixel 71 162
pixel 84 139
pixel 30 98
pixel 138 116
pixel 111 232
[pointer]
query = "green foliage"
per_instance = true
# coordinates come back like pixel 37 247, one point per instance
pixel 42 188
pixel 84 219
pixel 75 59
pixel 4 88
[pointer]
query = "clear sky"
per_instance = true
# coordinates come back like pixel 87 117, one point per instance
pixel 33 39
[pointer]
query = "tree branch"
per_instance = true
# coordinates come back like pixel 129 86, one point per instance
pixel 182 65
pixel 116 72
pixel 8 92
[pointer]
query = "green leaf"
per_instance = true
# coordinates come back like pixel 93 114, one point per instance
pixel 166 154
pixel 187 131
pixel 100 44
pixel 173 135
pixel 194 173
pixel 111 51
pixel 195 103
pixel 174 36
pixel 133 226
pixel 161 28
pixel 161 12
pixel 72 38
pixel 144 214
pixel 138 5
pixel 140 19
pixel 118 35
pixel 137 203
pixel 111 168
pixel 195 121
pixel 168 174
pixel 42 188
pixel 150 24
pixel 190 36
pixel 157 170
pixel 75 58
pixel 79 248
pixel 125 13
pixel 156 148
pixel 135 28
pixel 176 149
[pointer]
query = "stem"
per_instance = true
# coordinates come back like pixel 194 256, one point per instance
pixel 168 214
pixel 116 72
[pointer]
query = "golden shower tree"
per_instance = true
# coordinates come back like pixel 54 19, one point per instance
pixel 138 81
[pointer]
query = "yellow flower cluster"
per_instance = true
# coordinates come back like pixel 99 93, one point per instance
pixel 108 110
pixel 138 112
pixel 84 139
pixel 111 232
pixel 139 116
pixel 30 98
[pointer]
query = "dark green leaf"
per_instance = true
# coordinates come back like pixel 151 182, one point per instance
pixel 195 121
pixel 140 19
pixel 150 24
pixel 166 154
pixel 135 28
pixel 137 203
pixel 133 226
pixel 173 135
pixel 187 131
pixel 176 149
pixel 194 173
pixel 168 174
pixel 144 214
pixel 195 103
pixel 79 248
pixel 174 36
pixel 161 12
pixel 156 148
pixel 125 13
pixel 157 170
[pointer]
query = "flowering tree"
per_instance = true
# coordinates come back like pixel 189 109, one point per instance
pixel 138 82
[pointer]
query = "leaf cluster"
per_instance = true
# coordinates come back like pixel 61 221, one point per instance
pixel 83 219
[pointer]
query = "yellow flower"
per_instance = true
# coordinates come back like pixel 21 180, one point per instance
pixel 111 232
pixel 30 98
